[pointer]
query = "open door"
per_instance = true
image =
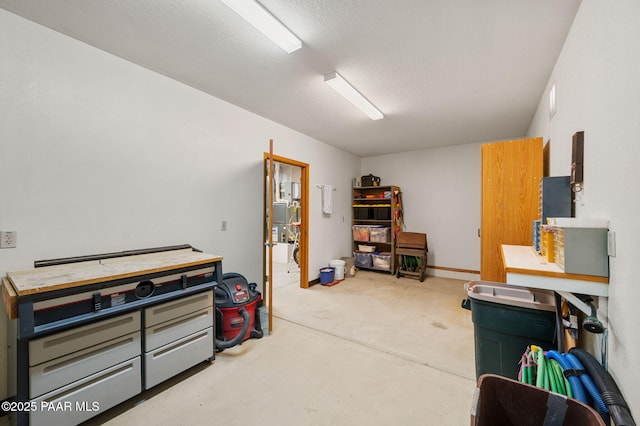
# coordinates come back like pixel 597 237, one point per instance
pixel 286 220
pixel 510 199
pixel 267 252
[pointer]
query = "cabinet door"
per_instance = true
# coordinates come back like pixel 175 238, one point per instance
pixel 511 173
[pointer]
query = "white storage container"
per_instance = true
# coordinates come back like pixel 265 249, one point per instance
pixel 339 268
pixel 381 261
pixel 380 235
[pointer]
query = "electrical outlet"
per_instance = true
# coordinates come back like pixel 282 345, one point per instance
pixel 223 226
pixel 8 239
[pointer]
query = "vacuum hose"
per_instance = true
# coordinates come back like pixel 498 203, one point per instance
pixel 590 387
pixel 576 385
pixel 226 344
pixel 608 388
pixel 257 332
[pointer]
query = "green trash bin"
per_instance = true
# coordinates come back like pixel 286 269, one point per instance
pixel 507 319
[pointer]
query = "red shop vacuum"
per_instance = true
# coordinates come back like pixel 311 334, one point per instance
pixel 237 311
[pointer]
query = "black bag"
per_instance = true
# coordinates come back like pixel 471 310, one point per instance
pixel 370 180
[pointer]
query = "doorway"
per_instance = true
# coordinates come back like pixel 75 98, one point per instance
pixel 286 218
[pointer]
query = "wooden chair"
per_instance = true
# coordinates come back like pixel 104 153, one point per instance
pixel 412 244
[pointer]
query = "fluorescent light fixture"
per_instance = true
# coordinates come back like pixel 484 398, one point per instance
pixel 341 86
pixel 552 101
pixel 255 14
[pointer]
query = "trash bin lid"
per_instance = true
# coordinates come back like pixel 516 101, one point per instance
pixel 506 294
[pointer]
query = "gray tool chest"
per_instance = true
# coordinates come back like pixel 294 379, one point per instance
pixel 94 331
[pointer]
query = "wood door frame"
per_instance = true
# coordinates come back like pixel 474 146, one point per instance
pixel 303 250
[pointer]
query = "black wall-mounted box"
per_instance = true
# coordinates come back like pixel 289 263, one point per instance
pixel 577 158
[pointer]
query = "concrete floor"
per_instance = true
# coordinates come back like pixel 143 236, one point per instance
pixel 371 350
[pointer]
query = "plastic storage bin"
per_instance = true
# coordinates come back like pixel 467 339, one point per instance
pixel 506 320
pixel 381 261
pixel 360 232
pixel 381 213
pixel 362 212
pixel 379 235
pixel 363 260
pixel 507 402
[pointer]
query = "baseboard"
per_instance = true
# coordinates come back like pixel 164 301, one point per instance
pixel 441 272
pixel 456 274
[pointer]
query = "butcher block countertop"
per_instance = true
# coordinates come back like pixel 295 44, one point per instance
pixel 50 278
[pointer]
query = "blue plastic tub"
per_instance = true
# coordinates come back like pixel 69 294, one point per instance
pixel 326 275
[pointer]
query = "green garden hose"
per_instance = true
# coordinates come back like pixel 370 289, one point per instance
pixel 542 380
pixel 546 373
pixel 550 377
pixel 561 381
pixel 557 376
pixel 527 367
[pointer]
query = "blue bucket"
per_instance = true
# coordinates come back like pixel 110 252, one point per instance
pixel 326 275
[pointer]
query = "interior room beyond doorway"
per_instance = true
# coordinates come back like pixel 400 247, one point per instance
pixel 286 219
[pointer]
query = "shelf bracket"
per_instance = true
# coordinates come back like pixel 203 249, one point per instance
pixel 575 301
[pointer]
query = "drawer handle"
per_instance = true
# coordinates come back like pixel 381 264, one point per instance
pixel 173 306
pixel 195 317
pixel 84 333
pixel 180 345
pixel 51 368
pixel 101 378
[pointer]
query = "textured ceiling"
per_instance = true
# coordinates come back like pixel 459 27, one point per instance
pixel 444 72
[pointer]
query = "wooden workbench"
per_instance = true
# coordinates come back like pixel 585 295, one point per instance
pixel 50 278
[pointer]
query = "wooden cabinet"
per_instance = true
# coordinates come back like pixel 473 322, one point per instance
pixel 377 219
pixel 511 173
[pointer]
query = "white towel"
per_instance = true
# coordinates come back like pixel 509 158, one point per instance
pixel 327 199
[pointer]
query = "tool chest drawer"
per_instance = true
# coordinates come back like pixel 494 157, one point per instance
pixel 87 397
pixel 169 331
pixel 177 308
pixel 58 372
pixel 171 359
pixel 56 345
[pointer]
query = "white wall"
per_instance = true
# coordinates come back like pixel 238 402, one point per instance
pixel 441 196
pixel 598 91
pixel 100 155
